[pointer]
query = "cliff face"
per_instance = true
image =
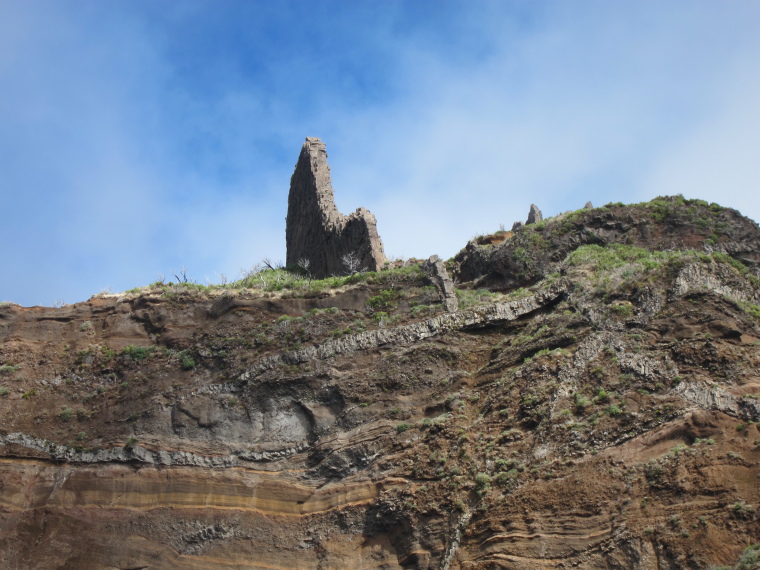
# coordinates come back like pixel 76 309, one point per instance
pixel 316 232
pixel 604 417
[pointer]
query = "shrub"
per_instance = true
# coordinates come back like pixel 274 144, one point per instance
pixel 580 403
pixel 187 362
pixel 384 300
pixel 8 369
pixel 750 559
pixel 401 428
pixel 613 410
pixel 137 352
pixel 4 391
pixel 66 414
pixel 741 510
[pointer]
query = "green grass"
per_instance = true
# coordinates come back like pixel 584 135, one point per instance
pixel 138 352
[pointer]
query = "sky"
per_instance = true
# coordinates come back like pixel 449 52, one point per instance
pixel 141 136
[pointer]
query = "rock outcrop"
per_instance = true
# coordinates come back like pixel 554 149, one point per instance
pixel 317 235
pixel 440 278
pixel 534 216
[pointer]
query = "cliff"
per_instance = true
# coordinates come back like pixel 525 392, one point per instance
pixel 592 402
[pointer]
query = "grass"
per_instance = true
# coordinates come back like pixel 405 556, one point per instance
pixel 287 279
pixel 619 269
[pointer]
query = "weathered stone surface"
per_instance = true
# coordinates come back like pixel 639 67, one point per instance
pixel 534 215
pixel 316 232
pixel 516 226
pixel 588 206
pixel 442 282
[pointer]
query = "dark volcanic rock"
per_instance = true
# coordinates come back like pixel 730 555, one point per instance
pixel 534 215
pixel 316 232
pixel 665 223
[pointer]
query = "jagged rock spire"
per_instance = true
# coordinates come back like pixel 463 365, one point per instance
pixel 316 231
pixel 534 215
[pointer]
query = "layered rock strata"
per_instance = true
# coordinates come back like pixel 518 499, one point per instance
pixel 318 237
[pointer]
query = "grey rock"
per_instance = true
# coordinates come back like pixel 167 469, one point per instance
pixel 534 215
pixel 317 232
pixel 516 226
pixel 588 206
pixel 440 278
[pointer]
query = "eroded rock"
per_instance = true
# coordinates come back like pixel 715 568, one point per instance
pixel 317 235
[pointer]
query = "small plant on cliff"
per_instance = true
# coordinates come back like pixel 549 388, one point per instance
pixel 66 414
pixel 750 559
pixel 8 369
pixel 186 360
pixel 482 483
pixel 401 428
pixel 137 352
pixel 385 300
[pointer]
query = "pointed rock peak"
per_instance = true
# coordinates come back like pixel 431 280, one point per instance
pixel 316 232
pixel 588 206
pixel 534 215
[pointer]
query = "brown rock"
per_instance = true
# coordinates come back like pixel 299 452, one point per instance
pixel 316 232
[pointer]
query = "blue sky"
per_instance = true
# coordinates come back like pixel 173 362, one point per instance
pixel 141 136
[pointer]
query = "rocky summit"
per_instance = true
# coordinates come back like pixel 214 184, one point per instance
pixel 319 239
pixel 581 392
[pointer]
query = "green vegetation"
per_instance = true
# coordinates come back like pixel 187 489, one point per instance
pixel 138 353
pixel 482 483
pixel 186 360
pixel 401 428
pixel 66 414
pixel 470 298
pixel 385 300
pixel 269 277
pixel 750 559
pixel 8 369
